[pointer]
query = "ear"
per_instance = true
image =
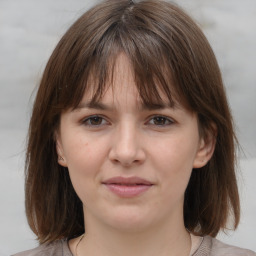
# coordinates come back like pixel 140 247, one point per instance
pixel 59 150
pixel 206 147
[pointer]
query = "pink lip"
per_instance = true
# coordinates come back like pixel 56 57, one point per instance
pixel 127 187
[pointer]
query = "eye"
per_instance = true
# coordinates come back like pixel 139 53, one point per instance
pixel 160 121
pixel 94 121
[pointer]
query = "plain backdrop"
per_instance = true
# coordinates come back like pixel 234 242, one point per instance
pixel 29 31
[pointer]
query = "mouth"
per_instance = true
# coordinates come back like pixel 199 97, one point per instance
pixel 128 187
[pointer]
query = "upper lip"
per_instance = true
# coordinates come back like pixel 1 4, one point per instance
pixel 127 181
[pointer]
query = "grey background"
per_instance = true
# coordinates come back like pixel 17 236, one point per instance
pixel 30 29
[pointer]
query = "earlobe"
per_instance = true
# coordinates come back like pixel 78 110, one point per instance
pixel 59 150
pixel 206 148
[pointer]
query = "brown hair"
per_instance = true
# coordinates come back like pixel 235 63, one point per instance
pixel 168 52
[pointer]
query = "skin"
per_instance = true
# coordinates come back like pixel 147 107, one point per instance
pixel 127 139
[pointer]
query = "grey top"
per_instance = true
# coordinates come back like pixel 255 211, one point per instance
pixel 208 247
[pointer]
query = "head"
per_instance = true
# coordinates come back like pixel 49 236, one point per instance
pixel 169 56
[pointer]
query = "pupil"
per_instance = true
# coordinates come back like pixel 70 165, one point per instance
pixel 96 120
pixel 159 120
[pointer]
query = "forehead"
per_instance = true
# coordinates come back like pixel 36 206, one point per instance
pixel 122 87
pixel 122 80
pixel 127 97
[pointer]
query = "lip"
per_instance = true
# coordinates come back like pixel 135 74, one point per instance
pixel 127 186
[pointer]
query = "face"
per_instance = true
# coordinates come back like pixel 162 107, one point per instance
pixel 130 164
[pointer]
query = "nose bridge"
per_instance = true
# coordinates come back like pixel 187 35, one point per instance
pixel 126 141
pixel 126 145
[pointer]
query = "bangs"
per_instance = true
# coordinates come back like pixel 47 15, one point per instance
pixel 150 57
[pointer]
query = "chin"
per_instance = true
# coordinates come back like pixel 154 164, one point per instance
pixel 130 221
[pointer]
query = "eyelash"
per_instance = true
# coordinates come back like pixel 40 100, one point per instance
pixel 88 121
pixel 162 118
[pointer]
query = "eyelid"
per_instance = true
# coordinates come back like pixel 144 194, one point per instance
pixel 169 119
pixel 87 118
pixel 105 120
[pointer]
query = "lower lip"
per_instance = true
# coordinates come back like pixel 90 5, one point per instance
pixel 128 191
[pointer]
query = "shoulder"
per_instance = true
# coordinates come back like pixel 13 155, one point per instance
pixel 57 248
pixel 220 248
pixel 213 247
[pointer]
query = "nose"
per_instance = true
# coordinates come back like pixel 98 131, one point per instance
pixel 127 147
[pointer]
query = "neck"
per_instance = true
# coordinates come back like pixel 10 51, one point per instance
pixel 170 239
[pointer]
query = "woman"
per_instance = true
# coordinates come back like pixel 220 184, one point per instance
pixel 131 146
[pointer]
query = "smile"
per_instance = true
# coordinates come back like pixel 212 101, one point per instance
pixel 127 187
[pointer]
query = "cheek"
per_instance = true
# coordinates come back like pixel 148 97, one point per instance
pixel 84 161
pixel 84 157
pixel 174 160
pixel 82 151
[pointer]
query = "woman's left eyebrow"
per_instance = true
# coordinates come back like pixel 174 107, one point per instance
pixel 94 105
pixel 157 106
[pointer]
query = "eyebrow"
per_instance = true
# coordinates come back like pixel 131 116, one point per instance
pixel 143 107
pixel 94 105
pixel 156 106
